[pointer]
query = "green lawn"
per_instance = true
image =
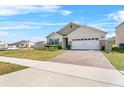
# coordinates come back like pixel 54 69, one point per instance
pixel 7 68
pixel 42 55
pixel 116 57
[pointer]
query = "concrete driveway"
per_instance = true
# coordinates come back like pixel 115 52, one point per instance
pixel 85 58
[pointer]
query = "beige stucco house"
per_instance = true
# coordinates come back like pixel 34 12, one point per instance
pixel 24 44
pixel 39 45
pixel 120 35
pixel 75 36
pixel 3 45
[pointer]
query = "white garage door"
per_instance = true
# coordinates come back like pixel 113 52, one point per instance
pixel 87 44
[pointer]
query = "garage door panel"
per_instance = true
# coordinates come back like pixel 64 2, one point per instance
pixel 89 44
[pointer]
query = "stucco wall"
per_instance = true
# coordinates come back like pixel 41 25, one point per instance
pixel 54 36
pixel 119 35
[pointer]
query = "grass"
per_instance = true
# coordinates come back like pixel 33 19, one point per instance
pixel 42 55
pixel 7 68
pixel 116 57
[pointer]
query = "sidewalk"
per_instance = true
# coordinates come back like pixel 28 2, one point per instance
pixel 102 75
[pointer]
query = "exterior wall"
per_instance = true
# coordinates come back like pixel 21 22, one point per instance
pixel 84 32
pixel 108 45
pixel 3 46
pixel 31 44
pixel 39 46
pixel 55 36
pixel 119 35
pixel 102 42
pixel 67 29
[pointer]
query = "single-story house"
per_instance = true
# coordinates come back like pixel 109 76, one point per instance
pixel 75 36
pixel 3 45
pixel 120 35
pixel 39 45
pixel 24 44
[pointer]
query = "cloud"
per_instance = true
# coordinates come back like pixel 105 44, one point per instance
pixel 3 34
pixel 53 24
pixel 117 16
pixel 65 12
pixel 27 25
pixel 20 10
pixel 110 35
pixel 106 26
pixel 18 25
pixel 6 34
pixel 37 38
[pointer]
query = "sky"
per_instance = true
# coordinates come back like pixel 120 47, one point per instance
pixel 35 22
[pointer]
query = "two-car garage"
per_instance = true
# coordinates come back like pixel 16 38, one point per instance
pixel 85 44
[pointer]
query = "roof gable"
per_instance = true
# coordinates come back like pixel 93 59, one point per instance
pixel 68 29
pixel 20 42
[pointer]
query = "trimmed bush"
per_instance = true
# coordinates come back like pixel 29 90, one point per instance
pixel 53 47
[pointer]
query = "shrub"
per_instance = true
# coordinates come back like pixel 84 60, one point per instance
pixel 53 47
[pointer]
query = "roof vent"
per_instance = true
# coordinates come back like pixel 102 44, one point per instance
pixel 71 26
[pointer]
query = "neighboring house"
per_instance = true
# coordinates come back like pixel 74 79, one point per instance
pixel 24 44
pixel 112 40
pixel 74 36
pixel 120 35
pixel 39 45
pixel 3 45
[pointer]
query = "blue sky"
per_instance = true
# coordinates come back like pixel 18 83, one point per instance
pixel 36 22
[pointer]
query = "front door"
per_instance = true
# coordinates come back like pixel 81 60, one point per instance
pixel 65 43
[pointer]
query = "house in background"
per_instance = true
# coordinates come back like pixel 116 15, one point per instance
pixel 24 44
pixel 120 35
pixel 75 36
pixel 111 40
pixel 39 45
pixel 3 45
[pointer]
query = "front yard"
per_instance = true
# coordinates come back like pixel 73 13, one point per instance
pixel 42 55
pixel 116 57
pixel 7 68
pixel 27 54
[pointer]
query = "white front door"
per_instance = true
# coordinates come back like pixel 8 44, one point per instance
pixel 87 44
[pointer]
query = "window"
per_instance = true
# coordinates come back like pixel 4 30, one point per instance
pixel 54 41
pixel 96 38
pixel 92 38
pixel 82 39
pixel 88 38
pixel 85 38
pixel 71 26
pixel 102 37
